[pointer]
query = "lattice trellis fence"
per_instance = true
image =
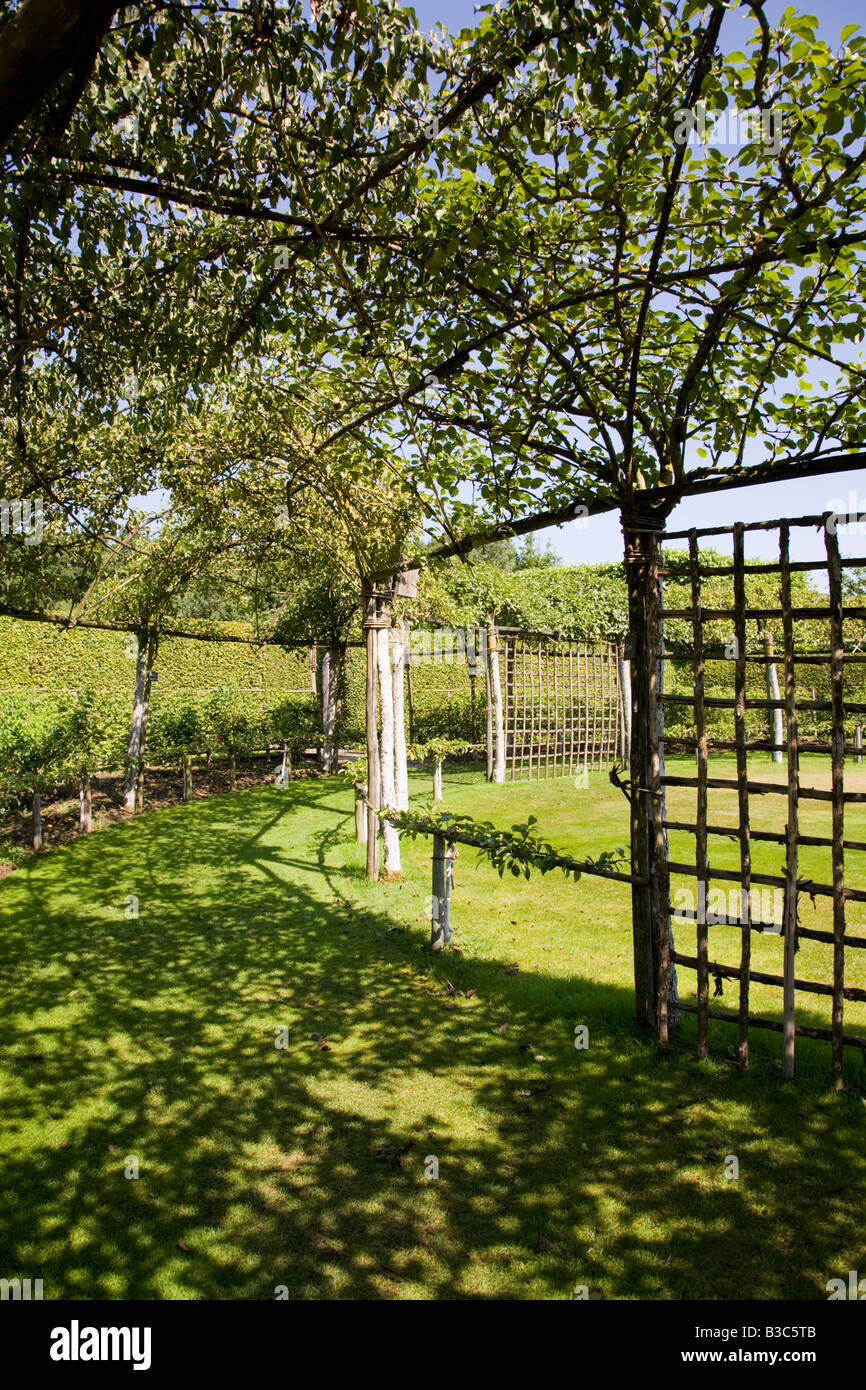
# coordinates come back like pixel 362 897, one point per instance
pixel 562 705
pixel 814 640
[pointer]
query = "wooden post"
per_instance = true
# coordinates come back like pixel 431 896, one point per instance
pixel 792 828
pixel 407 657
pixel 187 776
pixel 623 667
pixel 440 925
pixel 777 731
pixel 858 743
pixel 371 624
pixel 360 813
pixel 698 668
pixel 838 792
pixel 437 779
pixel 489 704
pixel 496 703
pixel 472 664
pixel 387 786
pixel 666 980
pixel 401 769
pixel 744 832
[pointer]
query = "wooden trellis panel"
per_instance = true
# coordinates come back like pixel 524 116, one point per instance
pixel 831 617
pixel 561 705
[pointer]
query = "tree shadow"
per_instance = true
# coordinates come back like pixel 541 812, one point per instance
pixel 309 1166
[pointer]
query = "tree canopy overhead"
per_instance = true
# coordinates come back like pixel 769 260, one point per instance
pixel 497 268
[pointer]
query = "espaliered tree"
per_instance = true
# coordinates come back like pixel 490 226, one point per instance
pixel 294 726
pixel 35 744
pixel 92 741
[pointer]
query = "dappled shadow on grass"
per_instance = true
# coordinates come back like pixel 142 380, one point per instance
pixel 155 1038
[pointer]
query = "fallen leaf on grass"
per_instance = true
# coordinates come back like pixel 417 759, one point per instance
pixel 182 1245
pixel 503 1027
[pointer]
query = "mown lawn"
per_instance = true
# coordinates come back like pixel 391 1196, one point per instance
pixel 153 1038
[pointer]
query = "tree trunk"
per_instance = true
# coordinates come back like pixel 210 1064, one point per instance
pixel 777 727
pixel 135 730
pixel 187 776
pixel 401 769
pixel 497 720
pixel 489 708
pixel 440 923
pixel 652 935
pixel 133 793
pixel 333 662
pixel 437 779
pixel 85 806
pixel 390 837
pixel 37 820
pixel 371 621
pixel 233 771
pixel 326 752
pixel 39 42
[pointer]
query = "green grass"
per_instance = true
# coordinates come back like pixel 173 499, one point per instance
pixel 154 1037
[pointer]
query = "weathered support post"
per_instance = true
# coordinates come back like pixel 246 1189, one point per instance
pixel 472 664
pixel 407 658
pixel 489 707
pixel 496 720
pixel 858 743
pixel 372 622
pixel 360 813
pixel 387 787
pixel 440 925
pixel 398 666
pixel 777 726
pixel 37 820
pixel 623 669
pixel 792 829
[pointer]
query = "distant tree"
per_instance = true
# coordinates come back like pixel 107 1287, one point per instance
pixel 532 557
